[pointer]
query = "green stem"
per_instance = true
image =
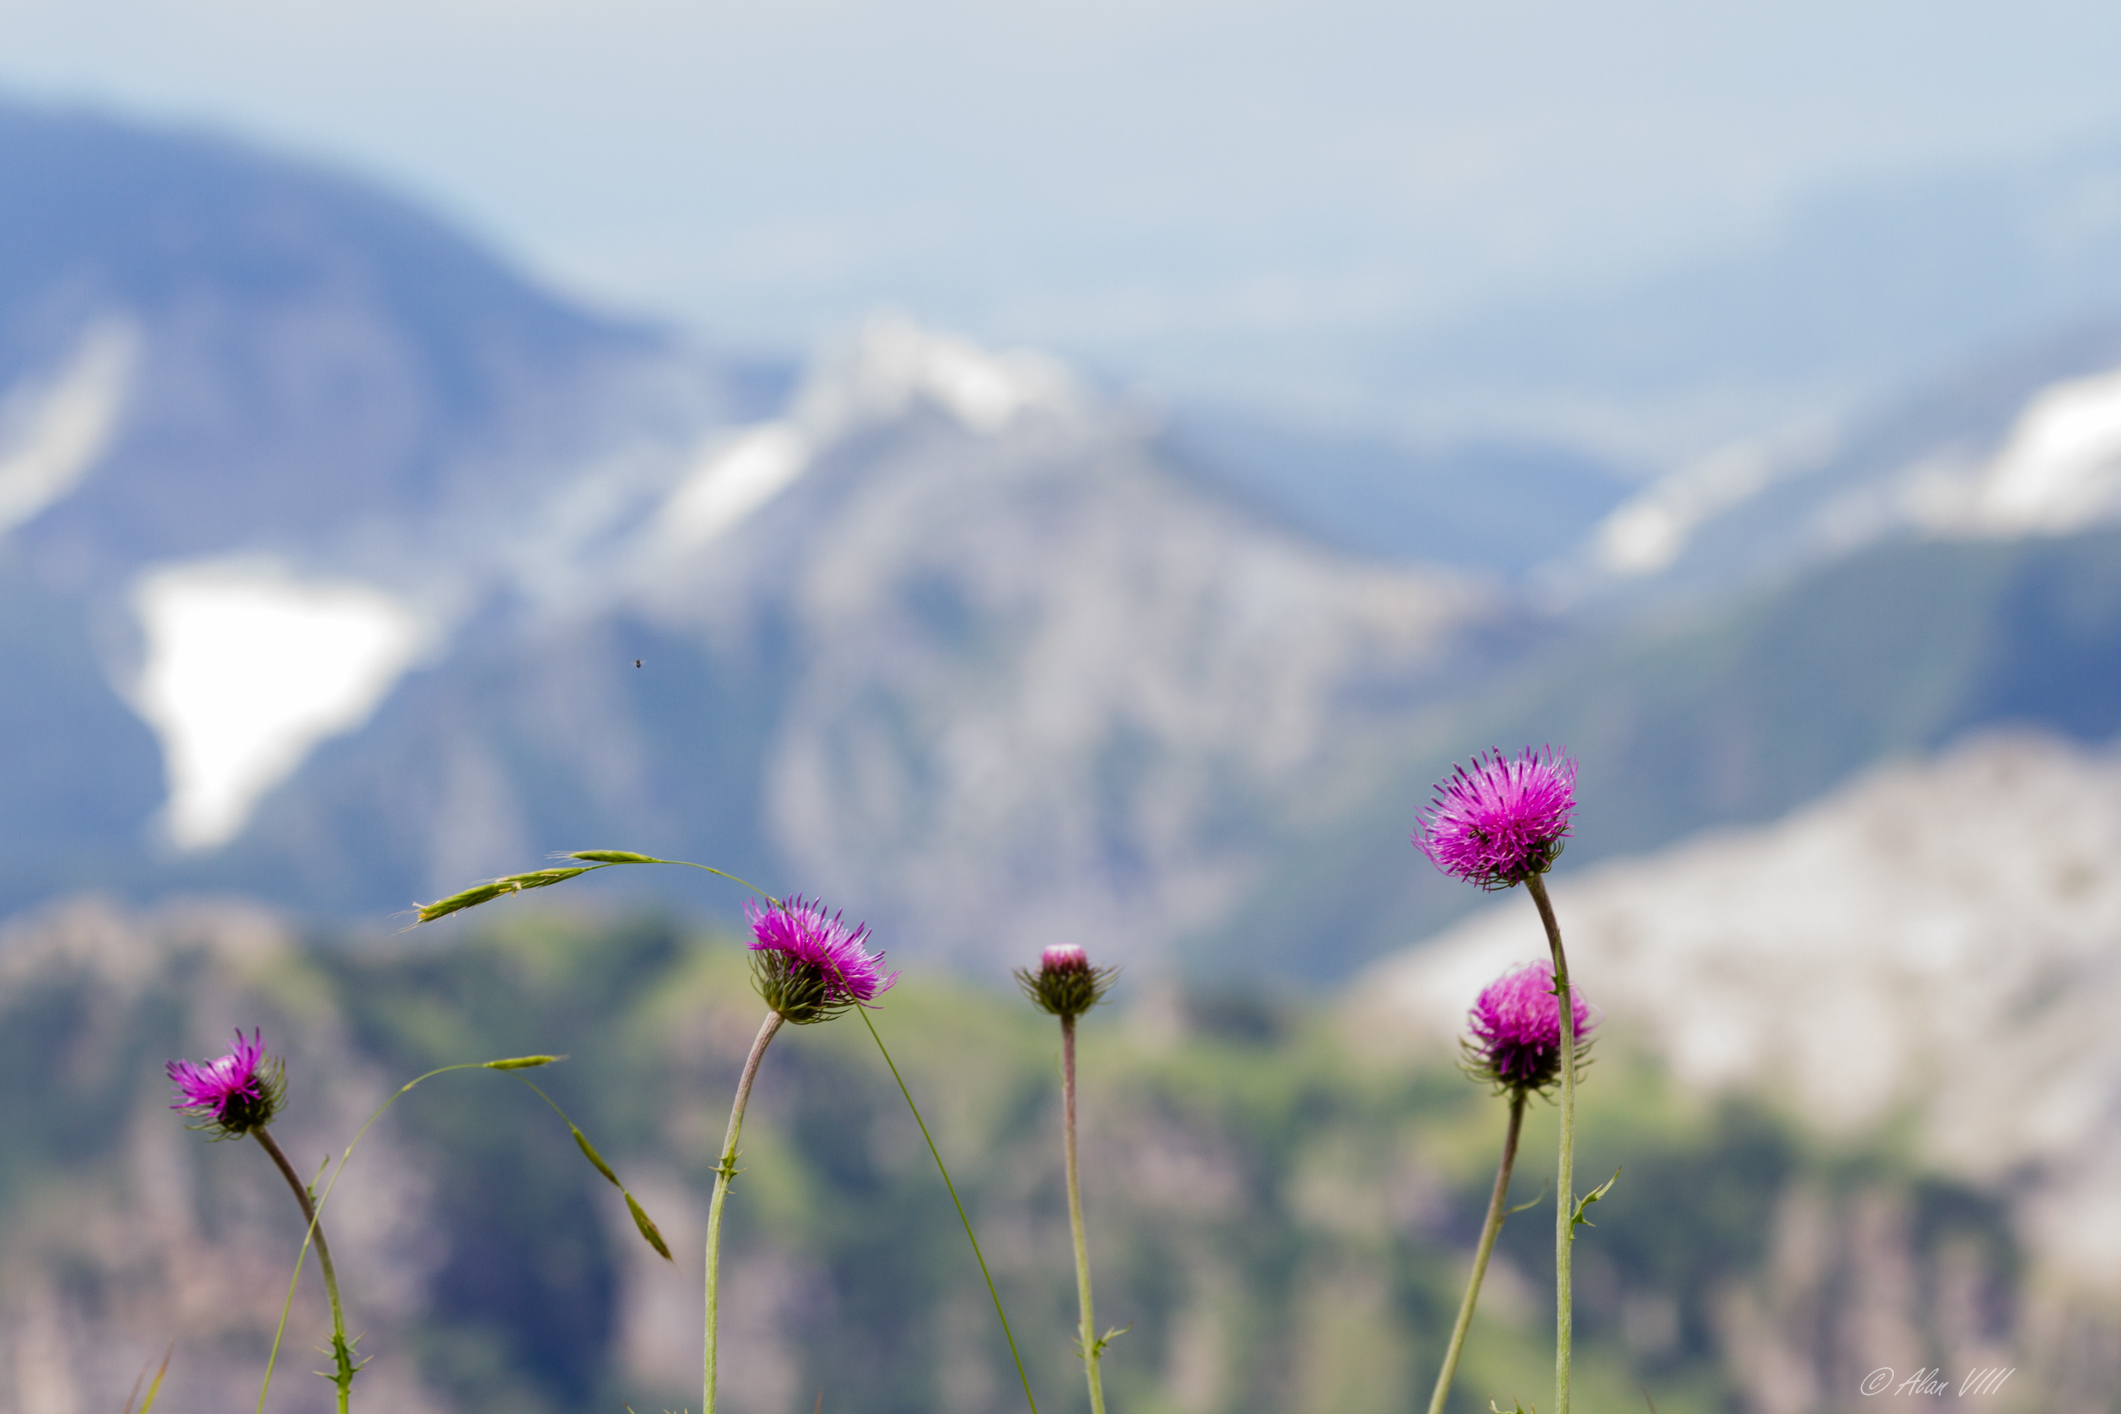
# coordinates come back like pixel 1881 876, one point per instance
pixel 342 1352
pixel 938 1157
pixel 718 873
pixel 314 1234
pixel 724 1175
pixel 1091 1351
pixel 1565 1180
pixel 1488 1232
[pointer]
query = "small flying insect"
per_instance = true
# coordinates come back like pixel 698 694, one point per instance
pixel 637 662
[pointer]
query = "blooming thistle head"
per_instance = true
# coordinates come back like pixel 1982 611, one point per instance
pixel 1516 1026
pixel 1502 819
pixel 808 964
pixel 1066 985
pixel 233 1094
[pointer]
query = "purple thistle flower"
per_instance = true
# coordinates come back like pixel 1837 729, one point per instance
pixel 1516 1026
pixel 808 964
pixel 1502 819
pixel 233 1094
pixel 1066 985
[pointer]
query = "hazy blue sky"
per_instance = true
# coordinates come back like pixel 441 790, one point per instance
pixel 1123 181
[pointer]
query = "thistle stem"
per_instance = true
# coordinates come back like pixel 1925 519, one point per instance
pixel 1091 1353
pixel 1565 1180
pixel 1488 1232
pixel 342 1350
pixel 724 1174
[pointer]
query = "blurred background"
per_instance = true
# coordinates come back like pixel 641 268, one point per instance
pixel 1038 474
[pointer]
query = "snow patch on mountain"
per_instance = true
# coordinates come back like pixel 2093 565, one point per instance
pixel 742 474
pixel 1645 533
pixel 1940 941
pixel 1973 461
pixel 1033 673
pixel 248 669
pixel 53 429
pixel 885 371
pixel 2061 469
pixel 892 365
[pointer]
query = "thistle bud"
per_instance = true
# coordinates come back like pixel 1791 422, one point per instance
pixel 1516 1030
pixel 1066 985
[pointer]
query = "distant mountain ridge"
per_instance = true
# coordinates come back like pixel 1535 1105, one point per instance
pixel 234 383
pixel 974 651
pixel 1860 294
pixel 938 630
pixel 1734 712
pixel 976 660
pixel 2023 442
pixel 319 370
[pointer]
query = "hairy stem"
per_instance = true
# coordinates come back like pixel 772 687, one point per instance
pixel 1488 1232
pixel 1091 1352
pixel 724 1174
pixel 1565 1180
pixel 342 1351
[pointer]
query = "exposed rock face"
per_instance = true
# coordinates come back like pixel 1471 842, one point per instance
pixel 1042 691
pixel 945 642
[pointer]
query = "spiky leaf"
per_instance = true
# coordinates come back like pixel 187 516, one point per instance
pixel 1579 1220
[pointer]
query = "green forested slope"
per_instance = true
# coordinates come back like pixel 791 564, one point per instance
pixel 1282 1213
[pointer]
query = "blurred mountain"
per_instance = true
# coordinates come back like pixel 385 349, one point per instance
pixel 1280 1214
pixel 371 534
pixel 215 352
pixel 1433 504
pixel 331 549
pixel 1732 713
pixel 946 639
pixel 2023 443
pixel 268 437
